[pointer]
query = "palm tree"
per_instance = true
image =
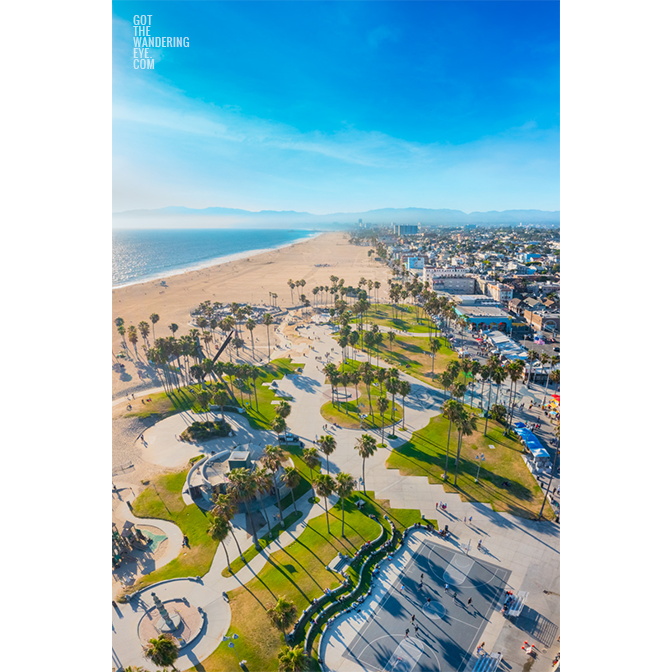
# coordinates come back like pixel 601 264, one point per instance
pixel 516 372
pixel 312 460
pixel 163 650
pixel 154 318
pixel 264 480
pixel 325 487
pixel 293 659
pixel 434 346
pixel 144 330
pixel 366 447
pixel 485 376
pixel 279 425
pixel 327 444
pixel 345 486
pixel 368 376
pixel 497 376
pixel 267 321
pixel 173 328
pixel 446 379
pixel 392 385
pixel 383 405
pixel 451 409
pixel 291 479
pixel 390 337
pixel 283 410
pixel 466 425
pixel 404 391
pixel 271 459
pixel 244 488
pixel 355 376
pixel 282 614
pixel 225 507
pixel 250 325
pixel 555 378
pixel 219 530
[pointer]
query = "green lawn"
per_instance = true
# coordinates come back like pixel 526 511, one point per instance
pixel 412 355
pixel 425 455
pixel 350 420
pixel 182 399
pixel 403 317
pixel 298 573
pixel 163 499
pixel 238 563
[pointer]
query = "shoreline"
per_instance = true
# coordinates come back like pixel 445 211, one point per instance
pixel 216 261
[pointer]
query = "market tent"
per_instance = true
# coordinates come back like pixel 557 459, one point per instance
pixel 531 441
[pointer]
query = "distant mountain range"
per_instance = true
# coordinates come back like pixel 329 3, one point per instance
pixel 177 216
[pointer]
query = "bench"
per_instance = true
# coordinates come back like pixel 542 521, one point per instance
pixel 516 606
pixel 487 662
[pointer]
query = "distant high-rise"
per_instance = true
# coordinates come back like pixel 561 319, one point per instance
pixel 405 229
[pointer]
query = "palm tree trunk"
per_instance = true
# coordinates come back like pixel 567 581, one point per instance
pixel 450 427
pixel 485 431
pixel 228 562
pixel 277 497
pixel 343 518
pixel 327 512
pixel 457 456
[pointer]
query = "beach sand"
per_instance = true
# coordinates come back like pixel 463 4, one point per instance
pixel 244 281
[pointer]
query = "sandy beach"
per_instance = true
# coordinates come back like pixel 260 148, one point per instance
pixel 245 280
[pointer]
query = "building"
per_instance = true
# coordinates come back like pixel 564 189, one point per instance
pixel 451 279
pixel 540 321
pixel 405 229
pixel 485 317
pixel 499 291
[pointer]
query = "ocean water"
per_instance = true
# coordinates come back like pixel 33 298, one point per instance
pixel 145 254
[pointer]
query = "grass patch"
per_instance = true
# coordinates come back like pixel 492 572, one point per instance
pixel 337 414
pixel 425 455
pixel 163 500
pixel 404 317
pixel 251 552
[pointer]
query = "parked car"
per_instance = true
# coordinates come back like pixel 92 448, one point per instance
pixel 290 438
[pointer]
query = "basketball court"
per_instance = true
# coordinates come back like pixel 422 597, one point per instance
pixel 449 627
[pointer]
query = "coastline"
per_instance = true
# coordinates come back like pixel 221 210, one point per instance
pixel 247 280
pixel 217 261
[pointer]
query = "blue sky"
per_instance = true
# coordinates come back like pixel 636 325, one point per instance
pixel 339 106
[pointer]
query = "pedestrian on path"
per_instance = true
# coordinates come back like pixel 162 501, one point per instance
pixel 413 618
pixel 406 633
pixel 446 589
pixel 465 520
pixel 470 520
pixel 468 601
pixel 418 627
pixel 401 590
pixel 479 544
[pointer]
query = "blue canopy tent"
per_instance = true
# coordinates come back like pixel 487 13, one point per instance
pixel 532 442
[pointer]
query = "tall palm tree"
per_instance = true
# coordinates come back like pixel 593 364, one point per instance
pixel 250 325
pixel 383 405
pixel 497 376
pixel 345 486
pixel 366 446
pixel 327 444
pixel 267 321
pixel 226 507
pixel 163 650
pixel 279 425
pixel 466 425
pixel 485 376
pixel 325 487
pixel 312 460
pixel 368 376
pixel 219 529
pixel 392 385
pixel 264 480
pixel 144 330
pixel 516 372
pixel 283 410
pixel 293 659
pixel 451 409
pixel 282 614
pixel 154 318
pixel 291 479
pixel 272 460
pixel 244 489
pixel 355 376
pixel 475 371
pixel 434 346
pixel 404 391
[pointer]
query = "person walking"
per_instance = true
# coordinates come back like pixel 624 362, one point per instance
pixel 406 635
pixel 446 588
pixel 468 601
pixel 413 618
pixel 418 627
pixel 480 541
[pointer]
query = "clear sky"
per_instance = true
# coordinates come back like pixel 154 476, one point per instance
pixel 339 106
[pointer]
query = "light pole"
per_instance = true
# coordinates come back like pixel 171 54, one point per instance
pixel 479 458
pixel 230 640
